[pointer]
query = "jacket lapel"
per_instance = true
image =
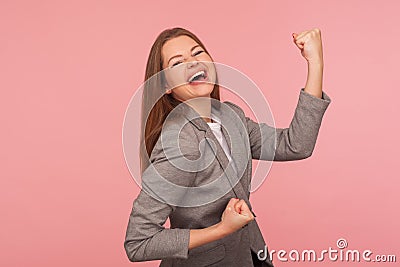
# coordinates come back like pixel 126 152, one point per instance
pixel 232 130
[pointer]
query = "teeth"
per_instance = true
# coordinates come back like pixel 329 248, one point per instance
pixel 197 74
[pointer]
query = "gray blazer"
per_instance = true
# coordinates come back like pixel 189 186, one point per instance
pixel 146 237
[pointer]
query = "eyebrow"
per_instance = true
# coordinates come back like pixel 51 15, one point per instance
pixel 181 55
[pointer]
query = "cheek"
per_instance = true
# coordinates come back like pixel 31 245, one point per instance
pixel 175 77
pixel 180 92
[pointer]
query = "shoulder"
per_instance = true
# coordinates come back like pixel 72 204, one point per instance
pixel 181 128
pixel 177 136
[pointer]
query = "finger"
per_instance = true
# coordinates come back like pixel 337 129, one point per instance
pixel 300 41
pixel 302 34
pixel 238 205
pixel 299 44
pixel 231 203
pixel 244 209
pixel 296 41
pixel 247 212
pixel 305 36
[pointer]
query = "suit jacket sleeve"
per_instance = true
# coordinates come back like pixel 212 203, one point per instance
pixel 293 143
pixel 146 237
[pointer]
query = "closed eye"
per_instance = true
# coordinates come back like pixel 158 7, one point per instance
pixel 198 52
pixel 179 62
pixel 176 63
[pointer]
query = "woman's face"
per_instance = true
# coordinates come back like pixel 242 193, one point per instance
pixel 188 69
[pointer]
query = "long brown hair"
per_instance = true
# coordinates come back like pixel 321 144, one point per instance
pixel 154 88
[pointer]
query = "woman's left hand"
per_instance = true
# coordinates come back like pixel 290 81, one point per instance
pixel 310 44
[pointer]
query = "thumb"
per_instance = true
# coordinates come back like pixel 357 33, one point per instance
pixel 244 209
pixel 298 43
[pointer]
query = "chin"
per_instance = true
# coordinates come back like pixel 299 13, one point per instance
pixel 202 89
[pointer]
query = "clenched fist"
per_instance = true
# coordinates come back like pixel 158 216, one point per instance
pixel 236 215
pixel 310 44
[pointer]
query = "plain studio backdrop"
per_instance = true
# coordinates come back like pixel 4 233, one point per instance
pixel 69 68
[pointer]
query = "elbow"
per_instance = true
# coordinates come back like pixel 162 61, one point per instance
pixel 132 249
pixel 300 153
pixel 131 253
pixel 293 154
pixel 306 153
pixel 305 148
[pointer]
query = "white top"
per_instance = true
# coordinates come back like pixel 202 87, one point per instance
pixel 216 128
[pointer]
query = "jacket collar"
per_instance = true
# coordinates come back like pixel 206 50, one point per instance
pixel 235 132
pixel 194 117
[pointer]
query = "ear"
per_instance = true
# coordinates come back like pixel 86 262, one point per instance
pixel 167 88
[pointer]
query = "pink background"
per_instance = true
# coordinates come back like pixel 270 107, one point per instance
pixel 69 68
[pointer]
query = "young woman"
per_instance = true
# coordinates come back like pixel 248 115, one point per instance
pixel 222 231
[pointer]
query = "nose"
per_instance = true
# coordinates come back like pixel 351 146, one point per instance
pixel 192 62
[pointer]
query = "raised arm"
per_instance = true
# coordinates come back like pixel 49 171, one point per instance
pixel 298 140
pixel 292 143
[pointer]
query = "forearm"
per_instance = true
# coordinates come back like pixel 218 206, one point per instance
pixel 206 235
pixel 314 78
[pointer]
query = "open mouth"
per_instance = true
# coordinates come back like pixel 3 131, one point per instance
pixel 198 77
